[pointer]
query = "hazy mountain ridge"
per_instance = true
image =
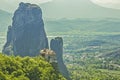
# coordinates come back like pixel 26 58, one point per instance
pixel 5 20
pixel 96 25
pixel 82 24
pixel 77 9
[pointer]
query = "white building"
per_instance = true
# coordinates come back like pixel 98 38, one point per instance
pixel 49 55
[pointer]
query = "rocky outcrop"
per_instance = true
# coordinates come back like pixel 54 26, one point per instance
pixel 26 36
pixel 57 46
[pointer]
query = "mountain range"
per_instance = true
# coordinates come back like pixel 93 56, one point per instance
pixel 77 9
pixel 81 24
pixel 5 20
pixel 73 15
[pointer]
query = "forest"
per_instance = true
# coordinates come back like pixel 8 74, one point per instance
pixel 27 68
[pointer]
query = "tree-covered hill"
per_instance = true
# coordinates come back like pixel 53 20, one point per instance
pixel 83 24
pixel 27 68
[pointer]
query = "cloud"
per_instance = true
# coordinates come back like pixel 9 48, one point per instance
pixel 11 5
pixel 115 4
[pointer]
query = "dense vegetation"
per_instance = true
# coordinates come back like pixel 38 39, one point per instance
pixel 93 56
pixel 27 68
pixel 91 67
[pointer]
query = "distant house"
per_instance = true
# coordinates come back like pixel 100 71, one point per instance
pixel 49 55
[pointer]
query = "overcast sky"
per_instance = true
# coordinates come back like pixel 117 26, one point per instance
pixel 115 4
pixel 70 8
pixel 10 5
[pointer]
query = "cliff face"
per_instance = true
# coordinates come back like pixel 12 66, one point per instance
pixel 57 46
pixel 26 36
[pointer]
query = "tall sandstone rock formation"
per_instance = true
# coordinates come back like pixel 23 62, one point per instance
pixel 26 36
pixel 57 46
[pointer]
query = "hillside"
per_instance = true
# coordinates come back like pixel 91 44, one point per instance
pixel 83 24
pixel 113 55
pixel 27 68
pixel 79 24
pixel 77 9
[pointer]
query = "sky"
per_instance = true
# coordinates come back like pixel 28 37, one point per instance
pixel 11 5
pixel 115 4
pixel 80 9
pixel 70 8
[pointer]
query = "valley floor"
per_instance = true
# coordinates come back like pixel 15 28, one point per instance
pixel 89 55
